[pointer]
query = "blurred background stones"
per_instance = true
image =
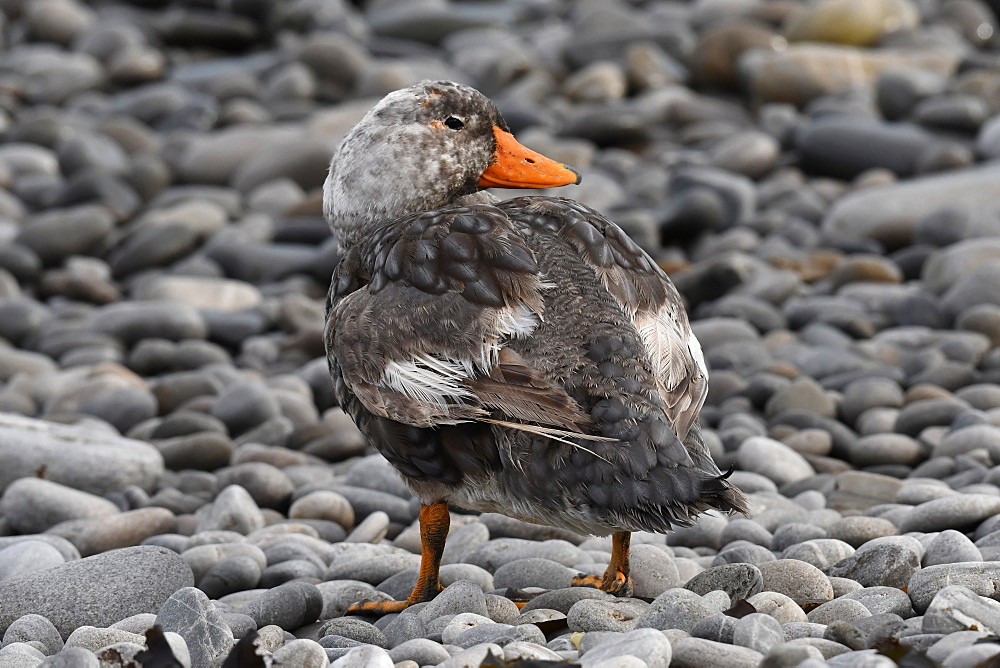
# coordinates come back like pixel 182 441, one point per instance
pixel 819 177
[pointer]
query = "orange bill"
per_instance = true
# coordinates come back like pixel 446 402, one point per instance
pixel 515 166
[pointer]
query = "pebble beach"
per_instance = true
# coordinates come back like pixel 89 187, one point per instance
pixel 821 180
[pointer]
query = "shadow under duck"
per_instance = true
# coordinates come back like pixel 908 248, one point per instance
pixel 523 357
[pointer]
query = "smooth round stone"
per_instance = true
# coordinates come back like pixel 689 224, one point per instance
pixel 133 321
pixel 882 600
pixel 290 606
pixel 34 628
pixel 739 581
pixel 647 645
pixel 56 235
pixel 189 613
pixel 421 651
pixel 463 596
pixel 93 536
pixel 27 556
pixel 948 547
pixel 803 394
pixel 773 459
pixel 698 652
pixel 959 511
pixel 304 652
pixel 676 609
pixel 230 575
pixel 839 609
pixel 32 505
pixel 233 510
pixel 748 530
pixel 857 530
pixel 81 457
pixel 878 449
pixel 201 558
pixel 979 577
pixel 204 451
pixel 341 594
pixel 533 572
pixel 355 629
pixel 244 406
pixel 372 570
pixel 820 552
pixel 99 590
pixel 620 614
pixel 797 580
pixel 269 486
pixel 888 561
pixel 956 608
pixel 718 627
pixel 601 81
pixel 794 533
pixel 967 439
pixel 758 632
pixel 652 571
pixel 323 505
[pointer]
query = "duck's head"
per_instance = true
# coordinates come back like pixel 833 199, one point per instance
pixel 423 147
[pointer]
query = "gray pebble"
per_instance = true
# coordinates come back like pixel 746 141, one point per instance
pixel 979 577
pixel 338 595
pixel 463 596
pixel 956 608
pixel 652 571
pixel 960 511
pixel 762 455
pixel 620 614
pixel 27 556
pixel 404 627
pixel 759 632
pixel 229 575
pixel 880 600
pixel 34 628
pixel 675 609
pixel 845 609
pixel 739 581
pixel 820 552
pixel 950 547
pixel 189 613
pixel 651 646
pixel 718 627
pixel 290 606
pixel 798 580
pixel 373 570
pixel 533 572
pixel 301 652
pixel 889 562
pixel 75 593
pixel 32 505
pixel 233 510
pixel 700 653
pixel 421 651
pixel 353 628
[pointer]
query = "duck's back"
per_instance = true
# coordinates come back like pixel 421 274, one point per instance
pixel 562 387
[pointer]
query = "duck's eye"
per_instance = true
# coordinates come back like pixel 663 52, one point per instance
pixel 454 123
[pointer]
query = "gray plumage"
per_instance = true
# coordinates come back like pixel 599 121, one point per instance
pixel 522 357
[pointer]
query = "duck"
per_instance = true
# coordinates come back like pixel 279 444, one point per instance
pixel 522 357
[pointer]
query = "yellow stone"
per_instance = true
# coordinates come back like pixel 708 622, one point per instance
pixel 852 22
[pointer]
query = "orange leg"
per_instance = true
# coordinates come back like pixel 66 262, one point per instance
pixel 616 579
pixel 434 523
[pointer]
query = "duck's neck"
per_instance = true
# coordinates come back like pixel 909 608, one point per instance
pixel 352 218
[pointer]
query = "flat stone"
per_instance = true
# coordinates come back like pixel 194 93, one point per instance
pixel 675 609
pixel 701 653
pixel 739 581
pixel 27 556
pixel 621 614
pixel 97 590
pixel 189 613
pixel 290 606
pixel 957 608
pixel 773 459
pixel 93 536
pixel 802 582
pixel 959 511
pixel 32 505
pixel 81 457
pixel 648 645
pixel 981 578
